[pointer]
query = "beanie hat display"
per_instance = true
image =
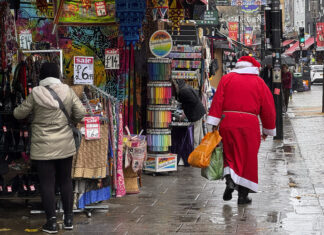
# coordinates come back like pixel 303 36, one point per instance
pixel 49 70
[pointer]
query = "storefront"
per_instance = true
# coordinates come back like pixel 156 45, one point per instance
pixel 105 54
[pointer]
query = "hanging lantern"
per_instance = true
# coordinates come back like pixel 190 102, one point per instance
pixel 176 14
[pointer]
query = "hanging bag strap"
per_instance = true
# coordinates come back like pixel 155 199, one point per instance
pixel 62 107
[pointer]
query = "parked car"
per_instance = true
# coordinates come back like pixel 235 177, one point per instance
pixel 316 73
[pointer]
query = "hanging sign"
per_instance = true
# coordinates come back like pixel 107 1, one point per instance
pixel 248 37
pixel 92 128
pixel 320 36
pixel 160 43
pixel 25 39
pixel 248 2
pixel 111 59
pixel 83 70
pixel 233 30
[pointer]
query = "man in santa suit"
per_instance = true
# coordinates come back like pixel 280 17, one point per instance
pixel 241 97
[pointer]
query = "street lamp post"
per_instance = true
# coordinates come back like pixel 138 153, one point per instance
pixel 276 61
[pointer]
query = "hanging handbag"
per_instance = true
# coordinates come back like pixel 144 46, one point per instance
pixel 76 132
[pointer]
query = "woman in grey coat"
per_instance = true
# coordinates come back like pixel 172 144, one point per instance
pixel 52 142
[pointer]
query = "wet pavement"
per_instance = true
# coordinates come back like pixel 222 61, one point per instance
pixel 290 198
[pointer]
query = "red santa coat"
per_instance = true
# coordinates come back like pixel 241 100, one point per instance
pixel 242 96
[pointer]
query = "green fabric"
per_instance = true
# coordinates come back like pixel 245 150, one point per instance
pixel 215 169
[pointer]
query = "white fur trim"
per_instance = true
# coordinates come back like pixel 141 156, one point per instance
pixel 243 64
pixel 49 81
pixel 248 70
pixel 272 132
pixel 213 120
pixel 239 180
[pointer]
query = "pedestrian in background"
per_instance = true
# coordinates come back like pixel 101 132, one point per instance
pixel 242 96
pixel 286 78
pixel 266 75
pixel 52 142
pixel 192 107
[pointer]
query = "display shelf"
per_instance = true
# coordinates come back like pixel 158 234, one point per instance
pixel 187 49
pixel 185 55
pixel 184 74
pixel 186 64
pixel 180 124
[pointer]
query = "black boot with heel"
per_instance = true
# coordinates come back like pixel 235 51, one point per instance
pixel 243 196
pixel 68 221
pixel 230 186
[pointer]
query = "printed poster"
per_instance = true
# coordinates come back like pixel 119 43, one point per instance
pixel 83 70
pixel 88 12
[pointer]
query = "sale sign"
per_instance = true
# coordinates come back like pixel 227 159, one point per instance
pixel 92 128
pixel 25 39
pixel 320 35
pixel 83 70
pixel 232 30
pixel 101 9
pixel 111 59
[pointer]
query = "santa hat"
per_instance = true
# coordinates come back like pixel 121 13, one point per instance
pixel 247 61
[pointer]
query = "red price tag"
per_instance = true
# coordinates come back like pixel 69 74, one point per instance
pixel 9 189
pixel 32 187
pixel 30 90
pixel 25 188
pixel 1 189
pixel 25 134
pixel 4 129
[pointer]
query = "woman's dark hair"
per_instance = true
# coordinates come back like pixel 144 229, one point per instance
pixel 49 70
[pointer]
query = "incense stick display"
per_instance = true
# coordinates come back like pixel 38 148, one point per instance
pixel 159 93
pixel 158 140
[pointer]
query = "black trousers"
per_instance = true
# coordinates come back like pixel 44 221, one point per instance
pixel 48 172
pixel 286 93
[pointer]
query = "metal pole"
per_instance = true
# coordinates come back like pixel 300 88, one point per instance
pixel 277 94
pixel 262 34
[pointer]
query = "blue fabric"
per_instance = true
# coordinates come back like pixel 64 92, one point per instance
pixel 94 196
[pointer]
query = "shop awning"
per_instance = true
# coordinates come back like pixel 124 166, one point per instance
pixel 292 49
pixel 309 42
pixel 287 42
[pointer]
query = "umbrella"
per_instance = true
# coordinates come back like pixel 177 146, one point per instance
pixel 284 60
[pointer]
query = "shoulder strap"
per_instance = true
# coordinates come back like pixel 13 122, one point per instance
pixel 56 97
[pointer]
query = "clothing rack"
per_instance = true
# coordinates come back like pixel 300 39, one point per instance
pixel 48 51
pixel 112 98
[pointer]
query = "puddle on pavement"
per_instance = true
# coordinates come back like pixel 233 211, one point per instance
pixel 286 149
pixel 273 217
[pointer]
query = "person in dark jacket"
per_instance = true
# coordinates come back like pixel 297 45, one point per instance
pixel 192 107
pixel 266 75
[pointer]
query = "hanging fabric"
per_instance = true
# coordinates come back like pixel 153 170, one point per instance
pixel 120 190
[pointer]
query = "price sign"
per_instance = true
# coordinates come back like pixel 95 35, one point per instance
pixel 101 9
pixel 83 70
pixel 111 59
pixel 25 39
pixel 92 128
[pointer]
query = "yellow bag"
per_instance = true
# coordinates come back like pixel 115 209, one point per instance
pixel 200 157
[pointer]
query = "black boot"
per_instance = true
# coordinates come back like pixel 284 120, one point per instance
pixel 68 221
pixel 50 226
pixel 230 185
pixel 243 196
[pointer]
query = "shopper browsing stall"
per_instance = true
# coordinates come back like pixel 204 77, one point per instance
pixel 52 142
pixel 192 107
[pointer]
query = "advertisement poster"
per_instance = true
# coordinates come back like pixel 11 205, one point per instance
pixel 248 37
pixel 92 128
pixel 88 12
pixel 111 59
pixel 320 36
pixel 167 163
pixel 83 70
pixel 233 30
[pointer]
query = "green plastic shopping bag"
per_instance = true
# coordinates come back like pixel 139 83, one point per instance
pixel 215 169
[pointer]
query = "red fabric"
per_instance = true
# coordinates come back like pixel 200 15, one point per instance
pixel 248 94
pixel 286 80
pixel 250 59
